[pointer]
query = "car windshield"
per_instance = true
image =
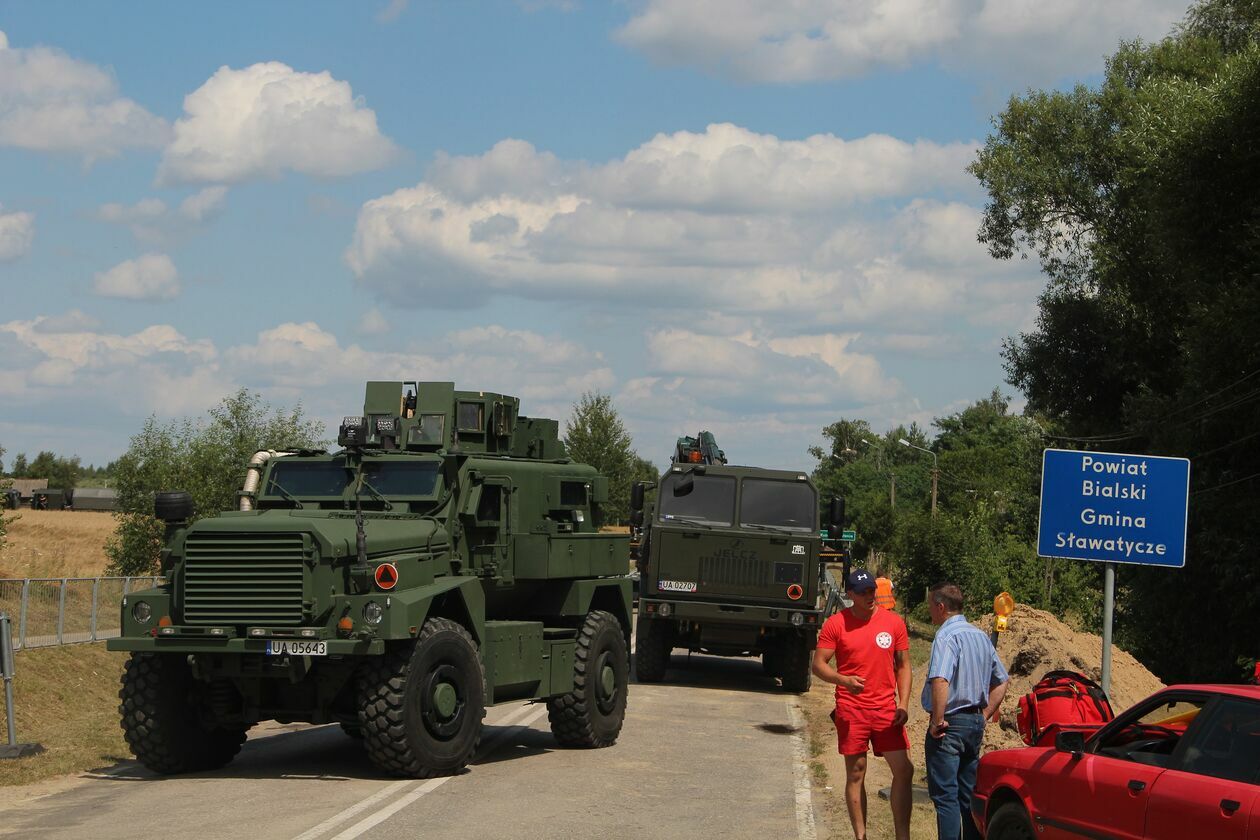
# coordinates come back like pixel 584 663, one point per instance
pixel 330 478
pixel 709 501
pixel 778 504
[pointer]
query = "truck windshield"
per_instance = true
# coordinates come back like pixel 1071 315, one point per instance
pixel 778 504
pixel 330 478
pixel 711 500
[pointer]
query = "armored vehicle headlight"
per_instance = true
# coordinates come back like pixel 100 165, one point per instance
pixel 797 619
pixel 665 610
pixel 142 612
pixel 373 613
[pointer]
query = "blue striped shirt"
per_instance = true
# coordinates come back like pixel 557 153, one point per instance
pixel 963 656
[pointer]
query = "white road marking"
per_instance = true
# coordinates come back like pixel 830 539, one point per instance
pixel 516 721
pixel 805 829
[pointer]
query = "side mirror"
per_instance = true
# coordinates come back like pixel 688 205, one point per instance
pixel 636 518
pixel 836 515
pixel 636 498
pixel 1070 742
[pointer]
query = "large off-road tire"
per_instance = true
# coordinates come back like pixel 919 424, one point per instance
pixel 652 645
pixel 592 713
pixel 420 707
pixel 160 718
pixel 1010 822
pixel 796 655
pixel 770 661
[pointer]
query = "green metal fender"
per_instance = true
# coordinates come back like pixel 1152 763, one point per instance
pixel 458 598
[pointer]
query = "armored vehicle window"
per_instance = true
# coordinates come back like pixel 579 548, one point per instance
pixel 489 504
pixel 780 504
pixel 711 499
pixel 307 479
pixel 572 493
pixel 431 429
pixel 471 417
pixel 402 478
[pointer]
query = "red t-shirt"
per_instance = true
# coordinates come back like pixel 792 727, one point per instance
pixel 865 649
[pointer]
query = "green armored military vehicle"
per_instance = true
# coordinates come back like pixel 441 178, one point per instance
pixel 730 563
pixel 448 557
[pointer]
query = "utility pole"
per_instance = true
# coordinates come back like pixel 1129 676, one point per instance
pixel 892 490
pixel 935 469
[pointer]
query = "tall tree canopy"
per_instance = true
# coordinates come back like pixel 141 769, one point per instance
pixel 1141 201
pixel 596 435
pixel 207 458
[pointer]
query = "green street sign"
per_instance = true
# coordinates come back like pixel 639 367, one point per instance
pixel 848 536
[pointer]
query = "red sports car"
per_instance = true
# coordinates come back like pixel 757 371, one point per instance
pixel 1183 763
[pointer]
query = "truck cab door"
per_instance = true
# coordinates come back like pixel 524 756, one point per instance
pixel 488 518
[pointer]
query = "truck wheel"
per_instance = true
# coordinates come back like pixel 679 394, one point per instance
pixel 796 659
pixel 652 646
pixel 770 661
pixel 1010 822
pixel 160 720
pixel 420 708
pixel 591 714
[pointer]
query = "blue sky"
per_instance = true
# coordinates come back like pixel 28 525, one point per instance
pixel 751 217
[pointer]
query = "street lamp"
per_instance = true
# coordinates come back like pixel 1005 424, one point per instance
pixel 935 470
pixel 892 478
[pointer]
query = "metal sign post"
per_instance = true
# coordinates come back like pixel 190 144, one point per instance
pixel 12 749
pixel 1113 508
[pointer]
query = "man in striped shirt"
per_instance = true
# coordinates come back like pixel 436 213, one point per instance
pixel 964 689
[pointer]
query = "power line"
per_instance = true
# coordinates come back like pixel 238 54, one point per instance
pixel 1226 484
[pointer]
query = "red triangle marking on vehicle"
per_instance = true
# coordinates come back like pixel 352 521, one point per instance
pixel 386 575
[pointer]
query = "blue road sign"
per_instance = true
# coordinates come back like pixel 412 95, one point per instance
pixel 1114 508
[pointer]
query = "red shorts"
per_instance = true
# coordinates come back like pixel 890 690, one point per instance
pixel 855 728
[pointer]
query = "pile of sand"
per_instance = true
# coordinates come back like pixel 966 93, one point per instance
pixel 1036 642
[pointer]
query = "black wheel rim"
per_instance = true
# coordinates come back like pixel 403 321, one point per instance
pixel 606 682
pixel 443 701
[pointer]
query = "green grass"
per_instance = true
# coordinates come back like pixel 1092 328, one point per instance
pixel 66 699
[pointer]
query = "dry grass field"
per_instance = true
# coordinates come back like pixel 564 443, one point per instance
pixel 55 543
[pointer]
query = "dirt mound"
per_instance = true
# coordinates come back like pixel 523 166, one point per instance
pixel 1037 642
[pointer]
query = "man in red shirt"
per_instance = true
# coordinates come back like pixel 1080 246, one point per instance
pixel 873 680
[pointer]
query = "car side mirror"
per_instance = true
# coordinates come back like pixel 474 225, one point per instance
pixel 1070 742
pixel 636 497
pixel 836 515
pixel 636 518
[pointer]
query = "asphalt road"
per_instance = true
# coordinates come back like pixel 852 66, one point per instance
pixel 715 751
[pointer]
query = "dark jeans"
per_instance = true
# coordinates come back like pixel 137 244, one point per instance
pixel 951 773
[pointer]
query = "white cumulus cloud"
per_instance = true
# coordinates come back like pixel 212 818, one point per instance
pixel 1027 42
pixel 265 119
pixel 151 277
pixel 151 220
pixel 54 103
pixel 17 233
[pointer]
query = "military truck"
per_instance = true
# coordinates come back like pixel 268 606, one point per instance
pixel 729 563
pixel 446 558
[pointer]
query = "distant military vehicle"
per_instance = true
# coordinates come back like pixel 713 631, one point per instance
pixel 730 564
pixel 11 498
pixel 95 498
pixel 446 558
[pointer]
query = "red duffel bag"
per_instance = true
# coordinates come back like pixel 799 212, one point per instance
pixel 1061 699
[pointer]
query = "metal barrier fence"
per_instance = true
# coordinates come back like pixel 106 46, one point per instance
pixel 63 611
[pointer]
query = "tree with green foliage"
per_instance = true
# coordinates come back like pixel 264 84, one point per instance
pixel 984 534
pixel 596 435
pixel 207 458
pixel 1140 199
pixel 19 466
pixel 61 472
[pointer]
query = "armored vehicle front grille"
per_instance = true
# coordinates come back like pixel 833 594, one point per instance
pixel 718 572
pixel 243 579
